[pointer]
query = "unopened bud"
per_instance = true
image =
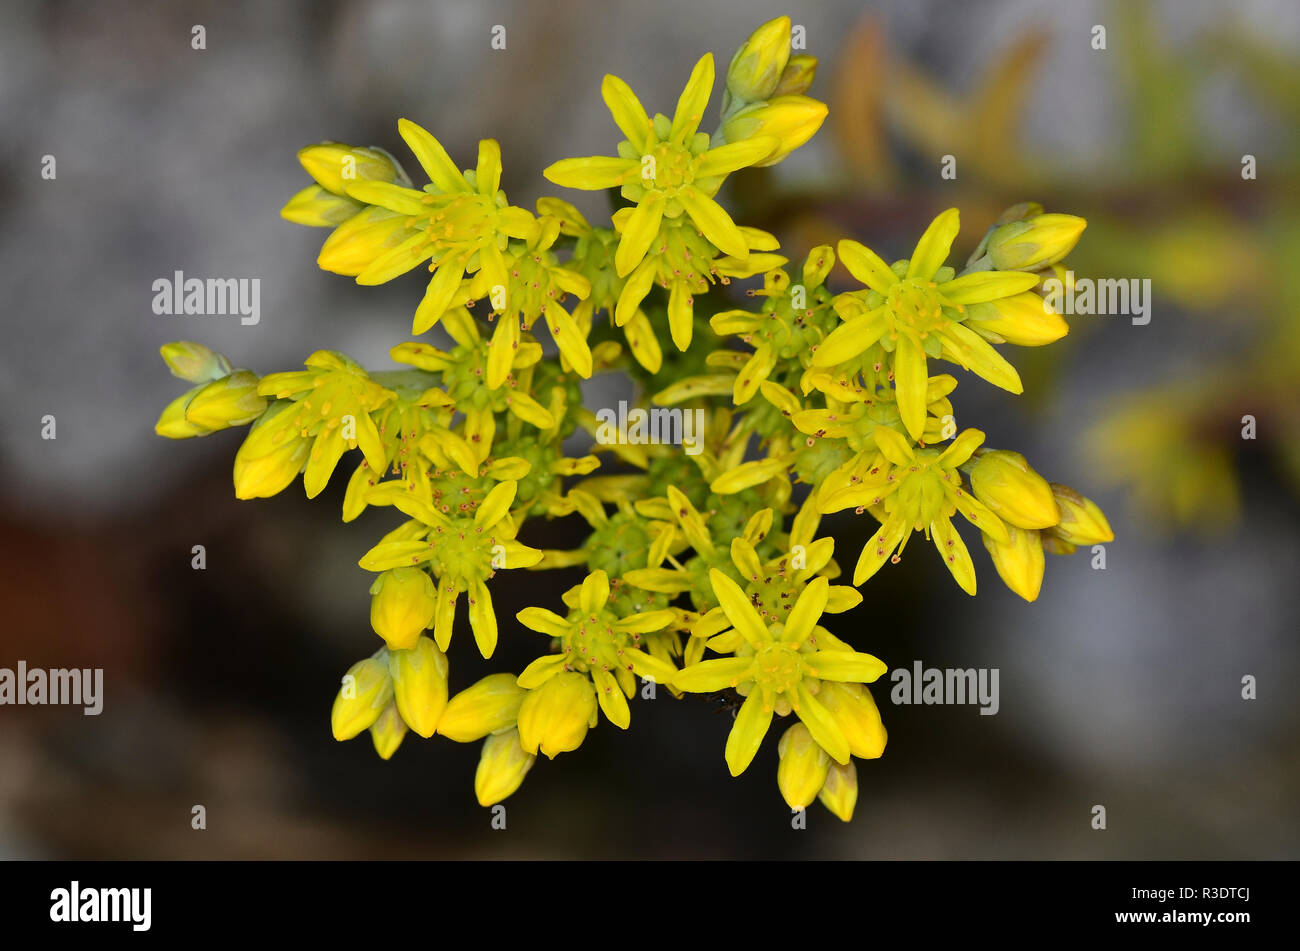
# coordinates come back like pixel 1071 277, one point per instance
pixel 1019 560
pixel 1034 243
pixel 1082 521
pixel 758 65
pixel 194 362
pixel 367 689
pixel 388 731
pixel 502 766
pixel 402 605
pixel 554 718
pixel 791 120
pixel 420 684
pixel 230 401
pixel 1017 494
pixel 803 767
pixel 490 705
pixel 840 792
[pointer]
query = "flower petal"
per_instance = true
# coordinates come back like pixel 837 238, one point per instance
pixel 932 250
pixel 867 266
pixel 433 158
pixel 710 676
pixel 487 174
pixel 713 222
pixel 807 611
pixel 822 725
pixel 849 666
pixel 591 173
pixel 639 232
pixel 909 383
pixel 693 100
pixel 746 736
pixel 984 286
pixel 738 609
pixel 629 115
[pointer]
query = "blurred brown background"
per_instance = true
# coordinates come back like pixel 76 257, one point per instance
pixel 1118 687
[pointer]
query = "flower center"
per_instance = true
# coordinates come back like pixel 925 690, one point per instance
pixel 667 167
pixel 778 668
pixel 594 643
pixel 917 304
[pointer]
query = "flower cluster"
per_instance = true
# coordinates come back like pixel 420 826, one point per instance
pixel 705 570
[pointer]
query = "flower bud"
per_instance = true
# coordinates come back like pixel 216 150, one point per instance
pixel 490 705
pixel 230 401
pixel 502 767
pixel 1035 242
pixel 555 717
pixel 317 208
pixel 358 241
pixel 857 716
pixel 1017 494
pixel 1026 320
pixel 272 454
pixel 194 362
pixel 402 604
pixel 1019 560
pixel 420 684
pixel 803 767
pixel 840 792
pixel 758 65
pixel 388 731
pixel 335 165
pixel 367 689
pixel 1082 521
pixel 791 120
pixel 172 423
pixel 798 76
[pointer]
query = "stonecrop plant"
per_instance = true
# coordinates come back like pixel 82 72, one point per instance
pixel 705 570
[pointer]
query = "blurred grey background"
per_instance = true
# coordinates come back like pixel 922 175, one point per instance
pixel 1118 687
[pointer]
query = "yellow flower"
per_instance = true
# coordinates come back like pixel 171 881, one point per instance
pixel 778 665
pixel 597 642
pixel 460 222
pixel 916 310
pixel 330 408
pixel 921 491
pixel 554 718
pixel 666 167
pixel 463 551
